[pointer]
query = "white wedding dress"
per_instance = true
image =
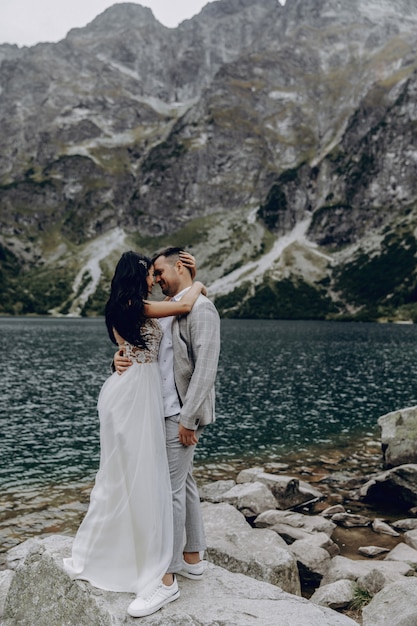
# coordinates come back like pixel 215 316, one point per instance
pixel 125 540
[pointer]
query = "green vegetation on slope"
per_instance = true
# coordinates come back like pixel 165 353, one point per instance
pixel 285 299
pixel 380 284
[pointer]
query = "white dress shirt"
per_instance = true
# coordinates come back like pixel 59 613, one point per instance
pixel 166 364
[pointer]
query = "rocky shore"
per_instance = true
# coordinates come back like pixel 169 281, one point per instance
pixel 339 530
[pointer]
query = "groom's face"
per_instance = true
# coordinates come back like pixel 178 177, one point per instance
pixel 166 275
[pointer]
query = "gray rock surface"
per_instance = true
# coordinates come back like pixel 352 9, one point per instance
pixel 259 553
pixel 405 524
pixel 350 520
pixel 410 538
pixel 372 551
pixel 42 593
pixel 6 577
pixel 332 510
pixel 249 474
pixel 289 491
pixel 307 523
pixel 402 552
pixel 379 526
pixel 289 533
pixel 337 595
pixel 399 436
pixel 398 484
pixel 250 498
pixel 312 560
pixel 213 492
pixel 343 568
pixel 372 582
pixel 395 605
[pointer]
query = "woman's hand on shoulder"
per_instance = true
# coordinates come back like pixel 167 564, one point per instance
pixel 189 261
pixel 202 286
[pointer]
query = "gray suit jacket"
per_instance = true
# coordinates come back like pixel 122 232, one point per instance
pixel 196 345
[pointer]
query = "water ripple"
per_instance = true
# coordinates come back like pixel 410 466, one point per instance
pixel 283 387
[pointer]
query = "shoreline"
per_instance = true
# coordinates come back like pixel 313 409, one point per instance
pixel 336 472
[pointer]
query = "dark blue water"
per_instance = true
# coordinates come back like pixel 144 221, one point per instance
pixel 283 387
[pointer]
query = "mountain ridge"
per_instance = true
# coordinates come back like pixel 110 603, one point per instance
pixel 226 134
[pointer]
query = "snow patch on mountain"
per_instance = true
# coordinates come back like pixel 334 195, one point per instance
pixel 254 270
pixel 87 279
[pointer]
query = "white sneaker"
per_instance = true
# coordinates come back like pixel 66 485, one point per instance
pixel 193 571
pixel 163 594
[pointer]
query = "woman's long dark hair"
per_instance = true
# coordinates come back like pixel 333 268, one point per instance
pixel 124 308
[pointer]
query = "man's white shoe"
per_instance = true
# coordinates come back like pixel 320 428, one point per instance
pixel 193 571
pixel 163 594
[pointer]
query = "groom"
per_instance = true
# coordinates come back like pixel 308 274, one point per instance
pixel 188 357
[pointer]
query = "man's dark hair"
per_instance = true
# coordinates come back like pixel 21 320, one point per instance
pixel 172 251
pixel 167 252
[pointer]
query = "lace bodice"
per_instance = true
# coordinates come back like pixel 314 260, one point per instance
pixel 152 334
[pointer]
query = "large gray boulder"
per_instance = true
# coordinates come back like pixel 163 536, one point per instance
pixel 250 498
pixel 6 577
pixel 395 605
pixel 397 486
pixel 399 437
pixel 337 595
pixel 403 552
pixel 313 561
pixel 260 553
pixel 213 492
pixel 343 568
pixel 307 523
pixel 288 491
pixel 293 527
pixel 42 594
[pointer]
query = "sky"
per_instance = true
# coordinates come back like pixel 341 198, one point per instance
pixel 28 22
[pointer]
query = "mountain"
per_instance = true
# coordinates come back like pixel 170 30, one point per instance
pixel 276 142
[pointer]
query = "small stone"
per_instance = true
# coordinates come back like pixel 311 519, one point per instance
pixel 332 510
pixel 276 467
pixel 372 551
pixel 378 526
pixel 405 524
pixel 349 520
pixel 335 498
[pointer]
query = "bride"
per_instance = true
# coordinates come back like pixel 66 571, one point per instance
pixel 124 542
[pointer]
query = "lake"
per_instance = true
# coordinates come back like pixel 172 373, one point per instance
pixel 284 388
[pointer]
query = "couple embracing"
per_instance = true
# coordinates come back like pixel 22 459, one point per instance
pixel 144 522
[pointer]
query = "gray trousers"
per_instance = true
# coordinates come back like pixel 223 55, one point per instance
pixel 188 522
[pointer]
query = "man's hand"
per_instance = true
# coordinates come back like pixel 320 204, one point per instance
pixel 121 363
pixel 186 436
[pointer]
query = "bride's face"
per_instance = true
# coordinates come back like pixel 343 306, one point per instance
pixel 149 280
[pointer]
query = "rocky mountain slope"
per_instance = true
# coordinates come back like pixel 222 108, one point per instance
pixel 277 143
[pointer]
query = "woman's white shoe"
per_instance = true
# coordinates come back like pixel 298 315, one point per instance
pixel 140 607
